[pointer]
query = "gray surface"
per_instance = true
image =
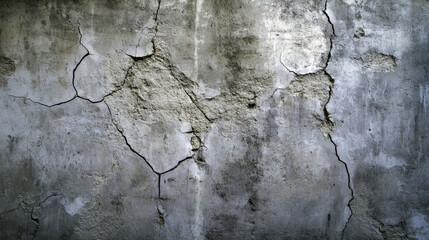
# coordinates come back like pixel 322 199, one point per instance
pixel 211 119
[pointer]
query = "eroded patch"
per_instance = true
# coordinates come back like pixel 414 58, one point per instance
pixel 378 62
pixel 157 103
pixel 311 86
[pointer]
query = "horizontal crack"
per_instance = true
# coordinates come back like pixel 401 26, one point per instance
pixel 40 103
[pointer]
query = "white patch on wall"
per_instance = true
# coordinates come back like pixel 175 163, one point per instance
pixel 387 161
pixel 73 207
pixel 307 52
pixel 207 92
pixel 420 226
pixel 424 96
pixel 350 2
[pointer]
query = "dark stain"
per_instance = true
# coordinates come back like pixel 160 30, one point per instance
pixel 227 224
pixel 271 126
pixel 55 222
pixel 236 48
pixel 7 68
pixel 240 178
pixel 161 218
pixel 189 14
pixel 17 170
pixel 253 203
pixel 111 4
pixel 378 186
pixel 251 105
pixel 116 202
pixel 201 162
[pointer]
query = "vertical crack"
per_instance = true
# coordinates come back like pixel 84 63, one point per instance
pixel 159 186
pixel 77 65
pixel 136 58
pixel 331 124
pixel 156 28
pixel 348 184
pixel 36 219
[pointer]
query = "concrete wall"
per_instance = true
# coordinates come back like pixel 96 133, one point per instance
pixel 214 119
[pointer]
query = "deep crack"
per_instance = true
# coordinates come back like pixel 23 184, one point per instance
pixel 327 120
pixel 348 184
pixel 331 124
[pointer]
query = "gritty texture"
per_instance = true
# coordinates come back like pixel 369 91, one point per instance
pixel 214 119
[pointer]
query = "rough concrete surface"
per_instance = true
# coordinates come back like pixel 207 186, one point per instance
pixel 214 119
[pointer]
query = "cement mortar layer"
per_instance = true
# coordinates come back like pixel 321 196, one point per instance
pixel 207 119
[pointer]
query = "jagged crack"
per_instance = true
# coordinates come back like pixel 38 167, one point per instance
pixel 331 124
pixel 348 184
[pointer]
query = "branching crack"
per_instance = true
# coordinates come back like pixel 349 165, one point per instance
pixel 141 156
pixel 30 207
pixel 76 95
pixel 126 140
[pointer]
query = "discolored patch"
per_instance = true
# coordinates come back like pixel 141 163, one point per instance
pixel 312 86
pixel 157 103
pixel 7 68
pixel 377 62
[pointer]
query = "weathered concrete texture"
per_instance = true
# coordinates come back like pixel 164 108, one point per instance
pixel 213 119
pixel 379 62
